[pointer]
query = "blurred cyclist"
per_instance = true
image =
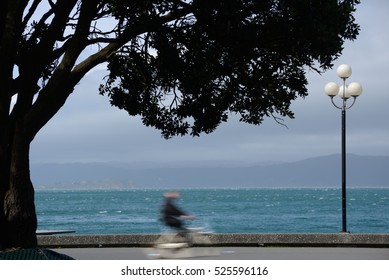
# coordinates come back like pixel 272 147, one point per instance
pixel 172 215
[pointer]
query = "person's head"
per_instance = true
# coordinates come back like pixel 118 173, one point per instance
pixel 172 195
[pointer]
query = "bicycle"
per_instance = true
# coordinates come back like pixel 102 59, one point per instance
pixel 191 243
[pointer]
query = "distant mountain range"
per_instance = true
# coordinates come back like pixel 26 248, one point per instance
pixel 318 171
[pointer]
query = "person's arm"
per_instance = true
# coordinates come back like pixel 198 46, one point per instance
pixel 187 216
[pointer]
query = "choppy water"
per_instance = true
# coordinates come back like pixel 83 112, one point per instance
pixel 261 210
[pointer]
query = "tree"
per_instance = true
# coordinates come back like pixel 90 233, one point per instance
pixel 182 65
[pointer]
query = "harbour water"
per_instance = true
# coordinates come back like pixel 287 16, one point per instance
pixel 219 210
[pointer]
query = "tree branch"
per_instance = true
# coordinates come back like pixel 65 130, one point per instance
pixel 62 83
pixel 139 28
pixel 31 11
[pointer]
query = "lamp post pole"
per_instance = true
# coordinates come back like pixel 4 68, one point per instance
pixel 345 92
pixel 344 216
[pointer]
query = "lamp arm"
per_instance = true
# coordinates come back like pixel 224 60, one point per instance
pixel 354 99
pixel 332 100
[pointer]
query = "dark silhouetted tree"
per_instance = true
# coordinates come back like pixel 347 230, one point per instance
pixel 182 65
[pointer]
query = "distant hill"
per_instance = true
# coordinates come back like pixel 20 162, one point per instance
pixel 318 171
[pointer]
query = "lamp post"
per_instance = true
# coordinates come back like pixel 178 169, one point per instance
pixel 344 92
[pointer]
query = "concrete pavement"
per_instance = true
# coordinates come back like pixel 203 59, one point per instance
pixel 338 246
pixel 231 253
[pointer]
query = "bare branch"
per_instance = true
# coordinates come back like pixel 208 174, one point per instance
pixel 41 23
pixel 31 11
pixel 279 120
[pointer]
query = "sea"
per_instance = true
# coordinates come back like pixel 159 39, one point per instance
pixel 217 210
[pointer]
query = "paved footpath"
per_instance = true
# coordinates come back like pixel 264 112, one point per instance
pixel 231 253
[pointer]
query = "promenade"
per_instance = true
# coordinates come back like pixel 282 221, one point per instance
pixel 232 253
pixel 284 256
pixel 342 246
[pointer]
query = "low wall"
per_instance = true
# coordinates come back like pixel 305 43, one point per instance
pixel 214 239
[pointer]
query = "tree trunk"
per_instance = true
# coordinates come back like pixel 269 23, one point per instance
pixel 18 217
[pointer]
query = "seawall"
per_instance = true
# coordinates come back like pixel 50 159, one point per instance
pixel 219 239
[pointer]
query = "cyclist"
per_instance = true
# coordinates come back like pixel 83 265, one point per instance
pixel 172 215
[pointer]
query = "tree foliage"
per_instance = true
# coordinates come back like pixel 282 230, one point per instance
pixel 183 65
pixel 244 57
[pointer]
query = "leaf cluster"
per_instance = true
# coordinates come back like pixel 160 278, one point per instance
pixel 243 57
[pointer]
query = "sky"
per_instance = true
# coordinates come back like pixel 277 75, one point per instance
pixel 89 129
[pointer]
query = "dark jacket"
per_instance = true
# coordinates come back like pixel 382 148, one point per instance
pixel 170 212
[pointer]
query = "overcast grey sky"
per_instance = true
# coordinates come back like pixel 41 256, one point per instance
pixel 88 129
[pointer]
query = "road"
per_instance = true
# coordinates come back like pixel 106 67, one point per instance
pixel 230 253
